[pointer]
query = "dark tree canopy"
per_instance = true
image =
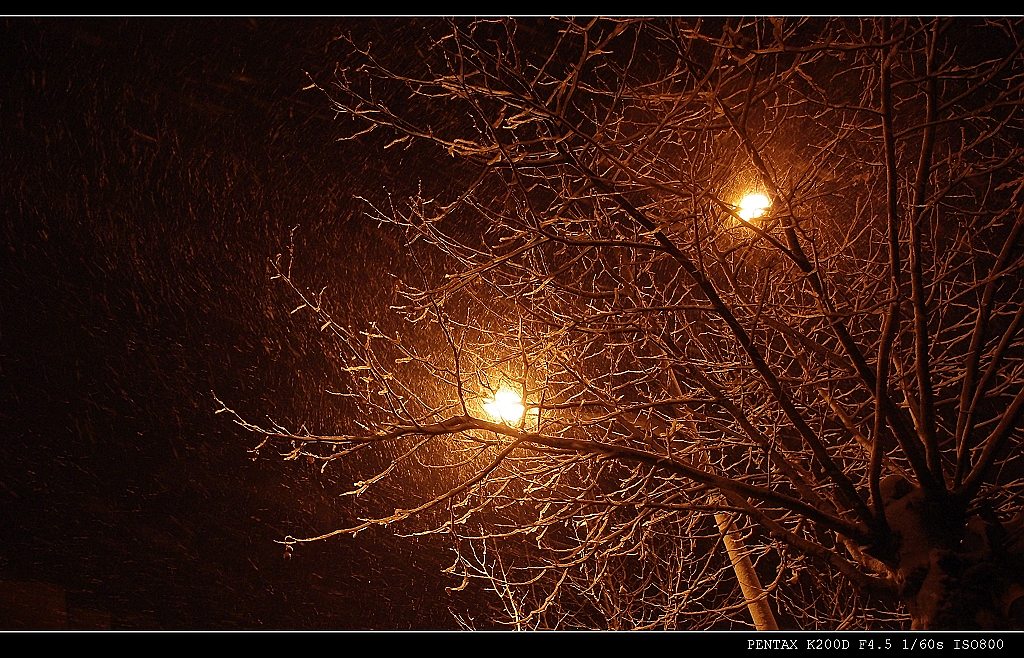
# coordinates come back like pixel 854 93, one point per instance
pixel 818 397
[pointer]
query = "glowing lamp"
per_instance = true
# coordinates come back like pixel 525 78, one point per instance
pixel 506 406
pixel 753 205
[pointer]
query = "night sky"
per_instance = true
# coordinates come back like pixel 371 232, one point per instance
pixel 151 170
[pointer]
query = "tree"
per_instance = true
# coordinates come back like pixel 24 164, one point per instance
pixel 829 376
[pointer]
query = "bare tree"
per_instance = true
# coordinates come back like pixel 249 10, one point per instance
pixel 610 379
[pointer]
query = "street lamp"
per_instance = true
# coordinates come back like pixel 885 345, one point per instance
pixel 753 205
pixel 506 406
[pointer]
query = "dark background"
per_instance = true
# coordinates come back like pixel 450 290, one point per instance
pixel 151 170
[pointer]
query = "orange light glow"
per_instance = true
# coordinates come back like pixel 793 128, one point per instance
pixel 506 406
pixel 753 205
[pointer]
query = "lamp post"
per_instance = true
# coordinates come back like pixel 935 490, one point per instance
pixel 506 406
pixel 750 585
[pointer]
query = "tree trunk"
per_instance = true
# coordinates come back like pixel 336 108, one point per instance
pixel 955 572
